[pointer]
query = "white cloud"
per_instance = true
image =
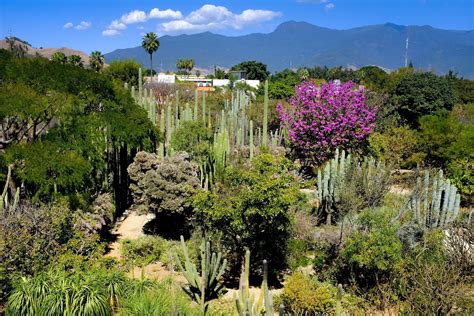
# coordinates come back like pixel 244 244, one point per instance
pixel 110 32
pixel 135 16
pixel 165 14
pixel 212 17
pixel 84 25
pixel 68 25
pixel 329 7
pixel 117 25
pixel 138 16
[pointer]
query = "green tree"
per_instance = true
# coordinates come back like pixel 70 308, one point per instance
pixel 124 70
pixel 421 94
pixel 75 60
pixel 150 44
pixel 446 139
pixel 254 70
pixel 373 77
pixel 59 57
pixel 219 73
pixel 96 60
pixel 184 66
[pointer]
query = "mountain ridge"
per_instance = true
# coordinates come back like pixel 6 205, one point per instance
pixel 297 43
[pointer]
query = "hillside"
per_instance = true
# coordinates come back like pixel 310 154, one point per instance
pixel 48 52
pixel 382 45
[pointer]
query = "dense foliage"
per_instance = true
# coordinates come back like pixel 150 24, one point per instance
pixel 252 210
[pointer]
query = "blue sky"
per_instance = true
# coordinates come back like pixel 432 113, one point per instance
pixel 109 24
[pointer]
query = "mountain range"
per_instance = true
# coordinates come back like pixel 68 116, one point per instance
pixel 295 44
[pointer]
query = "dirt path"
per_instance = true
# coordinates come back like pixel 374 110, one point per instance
pixel 130 228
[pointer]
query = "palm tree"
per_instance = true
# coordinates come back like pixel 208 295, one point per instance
pixel 150 44
pixel 96 60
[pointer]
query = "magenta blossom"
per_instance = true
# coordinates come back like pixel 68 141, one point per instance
pixel 323 118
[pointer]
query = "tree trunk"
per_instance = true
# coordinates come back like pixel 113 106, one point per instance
pixel 151 65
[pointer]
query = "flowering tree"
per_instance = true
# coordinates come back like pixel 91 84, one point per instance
pixel 323 118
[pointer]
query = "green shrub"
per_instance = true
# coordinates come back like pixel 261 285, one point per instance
pixel 435 281
pixel 397 146
pixel 303 294
pixel 164 186
pixel 144 250
pixel 252 211
pixel 371 257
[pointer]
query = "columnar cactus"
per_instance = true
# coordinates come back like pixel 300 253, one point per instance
pixel 265 115
pixel 205 284
pixel 204 108
pixel 329 181
pixel 161 148
pixel 140 86
pixel 441 209
pixel 196 101
pixel 247 304
pixel 251 140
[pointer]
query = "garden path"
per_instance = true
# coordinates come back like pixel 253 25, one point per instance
pixel 130 228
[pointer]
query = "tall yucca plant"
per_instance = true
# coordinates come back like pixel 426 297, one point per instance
pixel 150 44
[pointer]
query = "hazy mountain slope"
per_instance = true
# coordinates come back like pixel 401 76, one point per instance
pixel 294 44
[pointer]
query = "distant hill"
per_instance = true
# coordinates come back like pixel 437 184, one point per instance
pixel 48 52
pixel 295 44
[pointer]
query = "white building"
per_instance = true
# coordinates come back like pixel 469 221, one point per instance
pixel 164 78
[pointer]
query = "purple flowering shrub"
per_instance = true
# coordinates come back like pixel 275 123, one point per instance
pixel 323 118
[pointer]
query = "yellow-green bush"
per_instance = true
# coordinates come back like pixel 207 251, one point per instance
pixel 302 294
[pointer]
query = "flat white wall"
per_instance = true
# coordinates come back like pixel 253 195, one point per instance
pixel 164 78
pixel 220 82
pixel 252 83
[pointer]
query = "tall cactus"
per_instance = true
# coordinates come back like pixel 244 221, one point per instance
pixel 196 101
pixel 161 148
pixel 328 183
pixel 251 140
pixel 248 305
pixel 140 86
pixel 204 108
pixel 4 199
pixel 265 115
pixel 204 285
pixel 439 211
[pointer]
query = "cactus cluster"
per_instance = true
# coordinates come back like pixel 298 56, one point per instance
pixel 232 129
pixel 205 284
pixel 435 202
pixel 329 180
pixel 144 97
pixel 248 305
